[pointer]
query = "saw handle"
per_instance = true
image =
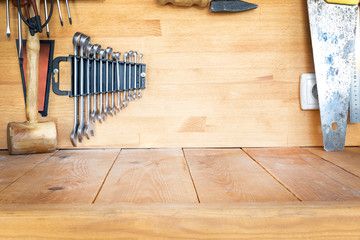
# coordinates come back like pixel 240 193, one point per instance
pixel 185 3
pixel 344 2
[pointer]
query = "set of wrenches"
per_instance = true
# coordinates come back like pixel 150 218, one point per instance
pixel 102 84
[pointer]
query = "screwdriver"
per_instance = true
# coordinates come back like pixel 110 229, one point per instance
pixel 20 48
pixel 68 10
pixel 61 19
pixel 46 17
pixel 7 19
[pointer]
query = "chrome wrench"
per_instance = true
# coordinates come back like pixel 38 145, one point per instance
pixel 113 110
pixel 129 97
pixel 117 57
pixel 96 49
pixel 135 54
pixel 89 126
pixel 84 42
pixel 108 52
pixel 100 114
pixel 124 104
pixel 140 61
pixel 73 134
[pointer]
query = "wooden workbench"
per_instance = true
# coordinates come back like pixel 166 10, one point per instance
pixel 251 193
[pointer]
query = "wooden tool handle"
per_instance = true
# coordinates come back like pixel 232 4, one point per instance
pixel 344 2
pixel 32 79
pixel 185 3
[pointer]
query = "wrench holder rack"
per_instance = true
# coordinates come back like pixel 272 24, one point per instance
pixel 132 71
pixel 97 75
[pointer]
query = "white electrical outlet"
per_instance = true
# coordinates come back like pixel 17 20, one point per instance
pixel 308 92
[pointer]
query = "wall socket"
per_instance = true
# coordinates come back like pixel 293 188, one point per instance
pixel 308 92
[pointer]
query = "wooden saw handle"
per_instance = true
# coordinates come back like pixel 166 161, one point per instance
pixel 185 3
pixel 32 79
pixel 344 2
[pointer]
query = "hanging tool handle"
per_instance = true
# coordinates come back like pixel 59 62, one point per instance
pixel 185 3
pixel 32 79
pixel 25 4
pixel 344 2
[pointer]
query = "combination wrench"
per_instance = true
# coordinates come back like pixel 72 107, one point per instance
pixel 96 49
pixel 135 54
pixel 84 42
pixel 140 61
pixel 117 56
pixel 129 97
pixel 124 104
pixel 100 114
pixel 73 137
pixel 89 126
pixel 106 110
pixel 112 109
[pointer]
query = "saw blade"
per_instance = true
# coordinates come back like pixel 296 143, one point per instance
pixel 333 28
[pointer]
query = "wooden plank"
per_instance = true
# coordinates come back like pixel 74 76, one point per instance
pixel 308 176
pixel 321 220
pixel 12 167
pixel 348 159
pixel 234 76
pixel 229 175
pixel 67 177
pixel 149 176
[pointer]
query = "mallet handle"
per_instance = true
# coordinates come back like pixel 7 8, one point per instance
pixel 185 3
pixel 32 79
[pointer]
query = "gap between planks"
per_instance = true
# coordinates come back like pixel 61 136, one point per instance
pixel 309 176
pixel 97 194
pixel 49 155
pixel 191 177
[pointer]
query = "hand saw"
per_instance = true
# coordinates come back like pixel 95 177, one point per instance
pixel 333 26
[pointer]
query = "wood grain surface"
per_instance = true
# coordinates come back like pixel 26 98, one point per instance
pixel 348 159
pixel 229 175
pixel 213 80
pixel 320 220
pixel 67 177
pixel 14 167
pixel 149 176
pixel 308 176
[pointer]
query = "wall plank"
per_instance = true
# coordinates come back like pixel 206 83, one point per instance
pixel 238 73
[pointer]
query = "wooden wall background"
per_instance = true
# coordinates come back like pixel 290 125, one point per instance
pixel 213 80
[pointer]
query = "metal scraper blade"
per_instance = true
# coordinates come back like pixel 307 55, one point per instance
pixel 333 28
pixel 231 6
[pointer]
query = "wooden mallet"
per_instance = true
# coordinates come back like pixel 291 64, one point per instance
pixel 32 136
